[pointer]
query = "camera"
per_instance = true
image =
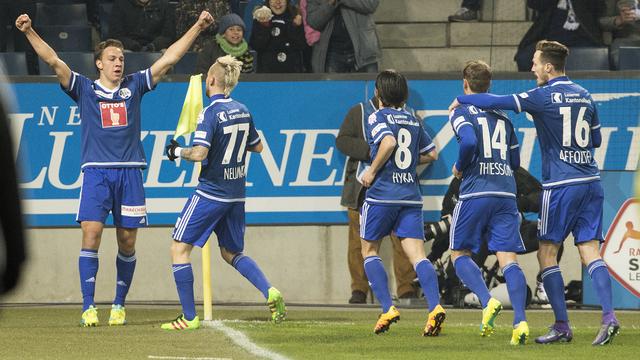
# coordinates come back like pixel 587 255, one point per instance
pixel 438 228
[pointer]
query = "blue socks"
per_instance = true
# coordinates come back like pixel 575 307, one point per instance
pixel 554 287
pixel 250 270
pixel 601 282
pixel 88 266
pixel 470 274
pixel 183 274
pixel 429 282
pixel 517 288
pixel 378 281
pixel 125 266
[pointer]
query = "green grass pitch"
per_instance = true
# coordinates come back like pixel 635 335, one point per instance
pixel 308 333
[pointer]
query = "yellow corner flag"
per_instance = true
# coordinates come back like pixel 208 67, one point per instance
pixel 187 124
pixel 191 108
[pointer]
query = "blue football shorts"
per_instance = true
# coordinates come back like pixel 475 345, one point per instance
pixel 575 209
pixel 116 190
pixel 378 221
pixel 494 219
pixel 201 216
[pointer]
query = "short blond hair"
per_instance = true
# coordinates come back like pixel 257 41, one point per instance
pixel 226 70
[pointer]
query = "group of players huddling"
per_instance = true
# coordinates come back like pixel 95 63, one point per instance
pixel 568 129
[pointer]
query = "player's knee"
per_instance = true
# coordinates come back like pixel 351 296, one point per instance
pixel 228 256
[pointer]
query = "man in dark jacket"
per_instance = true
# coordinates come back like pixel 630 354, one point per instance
pixel 574 23
pixel 348 40
pixel 142 25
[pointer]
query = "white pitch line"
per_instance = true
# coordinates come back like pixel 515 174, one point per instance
pixel 185 358
pixel 242 340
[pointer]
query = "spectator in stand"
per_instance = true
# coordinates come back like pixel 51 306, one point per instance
pixel 312 35
pixel 142 25
pixel 468 11
pixel 623 20
pixel 348 40
pixel 228 41
pixel 574 23
pixel 278 37
pixel 188 11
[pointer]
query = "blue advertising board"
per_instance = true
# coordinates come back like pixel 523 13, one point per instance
pixel 298 177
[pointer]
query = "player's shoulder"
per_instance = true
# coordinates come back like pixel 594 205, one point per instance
pixel 375 117
pixel 464 110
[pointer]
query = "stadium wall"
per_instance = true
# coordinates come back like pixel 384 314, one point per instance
pixel 293 185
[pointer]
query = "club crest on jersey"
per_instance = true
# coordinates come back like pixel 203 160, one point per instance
pixel 113 114
pixel 556 98
pixel 222 117
pixel 124 93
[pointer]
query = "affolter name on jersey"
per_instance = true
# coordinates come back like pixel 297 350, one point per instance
pixel 576 157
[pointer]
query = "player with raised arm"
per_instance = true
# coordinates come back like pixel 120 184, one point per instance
pixel 488 157
pixel 393 203
pixel 224 134
pixel 568 128
pixel 111 153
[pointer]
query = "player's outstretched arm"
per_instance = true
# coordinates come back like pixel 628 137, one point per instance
pixel 487 101
pixel 44 51
pixel 196 153
pixel 176 51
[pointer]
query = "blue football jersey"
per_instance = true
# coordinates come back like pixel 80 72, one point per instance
pixel 226 128
pixel 489 173
pixel 564 115
pixel 110 120
pixel 397 182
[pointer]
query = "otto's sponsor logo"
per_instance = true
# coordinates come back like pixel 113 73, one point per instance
pixel 621 250
pixel 135 211
pixel 113 114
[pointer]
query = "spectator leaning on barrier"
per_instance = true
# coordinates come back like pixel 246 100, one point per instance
pixel 571 22
pixel 623 20
pixel 348 40
pixel 228 41
pixel 278 37
pixel 142 25
pixel 188 11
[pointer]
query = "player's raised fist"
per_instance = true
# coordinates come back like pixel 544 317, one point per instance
pixel 23 22
pixel 205 20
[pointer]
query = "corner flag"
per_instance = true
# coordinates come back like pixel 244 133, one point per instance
pixel 191 108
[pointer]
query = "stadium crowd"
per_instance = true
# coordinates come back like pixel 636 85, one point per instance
pixel 288 36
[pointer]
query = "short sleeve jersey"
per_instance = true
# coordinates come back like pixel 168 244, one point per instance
pixel 564 115
pixel 110 120
pixel 489 173
pixel 226 128
pixel 397 182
